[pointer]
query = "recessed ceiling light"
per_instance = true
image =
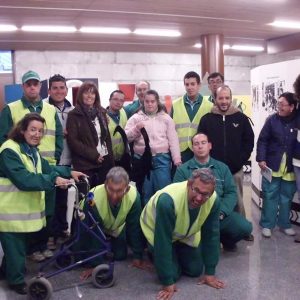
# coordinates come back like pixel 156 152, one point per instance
pixel 49 28
pixel 247 48
pixel 286 24
pixel 105 30
pixel 198 45
pixel 158 32
pixel 5 27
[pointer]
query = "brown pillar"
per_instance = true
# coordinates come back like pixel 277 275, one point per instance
pixel 212 54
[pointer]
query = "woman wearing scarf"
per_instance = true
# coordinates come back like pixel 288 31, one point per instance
pixel 275 147
pixel 164 143
pixel 88 136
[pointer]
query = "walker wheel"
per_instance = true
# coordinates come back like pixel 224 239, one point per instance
pixel 64 260
pixel 102 277
pixel 39 288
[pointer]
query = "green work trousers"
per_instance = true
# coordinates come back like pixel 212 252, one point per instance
pixel 13 262
pixel 277 199
pixel 186 260
pixel 234 228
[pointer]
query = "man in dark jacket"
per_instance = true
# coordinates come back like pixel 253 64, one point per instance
pixel 231 135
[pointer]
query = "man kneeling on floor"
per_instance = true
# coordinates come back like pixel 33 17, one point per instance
pixel 233 226
pixel 181 225
pixel 117 209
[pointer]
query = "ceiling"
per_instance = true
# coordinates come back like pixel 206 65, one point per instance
pixel 240 21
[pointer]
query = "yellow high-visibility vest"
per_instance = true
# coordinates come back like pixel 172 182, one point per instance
pixel 21 211
pixel 184 127
pixel 181 233
pixel 47 145
pixel 116 140
pixel 113 226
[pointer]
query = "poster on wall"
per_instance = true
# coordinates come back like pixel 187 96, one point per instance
pixel 268 82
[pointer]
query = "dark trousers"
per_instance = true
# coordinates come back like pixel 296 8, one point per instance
pixel 38 240
pixel 59 221
pixel 97 176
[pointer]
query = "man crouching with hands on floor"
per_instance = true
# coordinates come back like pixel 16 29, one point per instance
pixel 181 225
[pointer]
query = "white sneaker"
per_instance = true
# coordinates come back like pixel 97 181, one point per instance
pixel 266 232
pixel 51 245
pixel 289 231
pixel 47 253
pixel 37 256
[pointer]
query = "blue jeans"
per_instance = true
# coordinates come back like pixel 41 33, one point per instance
pixel 160 176
pixel 277 199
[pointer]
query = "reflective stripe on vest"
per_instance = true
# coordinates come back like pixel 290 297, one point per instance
pixel 116 140
pixel 183 232
pixel 113 226
pixel 21 211
pixel 47 145
pixel 184 127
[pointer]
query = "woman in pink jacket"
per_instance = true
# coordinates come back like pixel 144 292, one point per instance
pixel 164 143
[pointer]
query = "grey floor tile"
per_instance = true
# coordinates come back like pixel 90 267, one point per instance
pixel 264 269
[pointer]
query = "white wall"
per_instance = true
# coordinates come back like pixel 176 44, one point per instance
pixel 165 71
pixel 265 59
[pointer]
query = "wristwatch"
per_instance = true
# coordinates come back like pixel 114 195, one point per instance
pixel 221 217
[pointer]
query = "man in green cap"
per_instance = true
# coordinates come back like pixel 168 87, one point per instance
pixel 52 144
pixel 50 148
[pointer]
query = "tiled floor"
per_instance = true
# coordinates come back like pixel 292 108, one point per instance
pixel 259 270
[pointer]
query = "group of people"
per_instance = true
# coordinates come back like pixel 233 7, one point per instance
pixel 187 165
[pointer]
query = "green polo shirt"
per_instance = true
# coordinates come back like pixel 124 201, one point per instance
pixel 225 185
pixel 132 108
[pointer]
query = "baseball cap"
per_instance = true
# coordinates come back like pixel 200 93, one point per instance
pixel 30 75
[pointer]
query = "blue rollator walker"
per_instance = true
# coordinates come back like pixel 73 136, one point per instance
pixel 40 287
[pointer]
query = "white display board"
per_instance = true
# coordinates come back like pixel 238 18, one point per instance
pixel 267 83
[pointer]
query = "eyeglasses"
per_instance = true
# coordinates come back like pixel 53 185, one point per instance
pixel 279 104
pixel 205 196
pixel 218 81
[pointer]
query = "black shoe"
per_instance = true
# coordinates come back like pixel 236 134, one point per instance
pixel 19 288
pixel 297 238
pixel 2 275
pixel 230 248
pixel 249 238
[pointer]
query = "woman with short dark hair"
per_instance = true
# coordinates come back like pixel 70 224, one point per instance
pixel 275 146
pixel 24 176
